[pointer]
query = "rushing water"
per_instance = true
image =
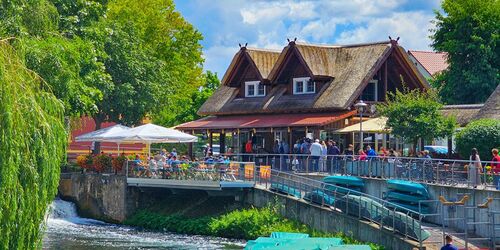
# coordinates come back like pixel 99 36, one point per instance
pixel 66 230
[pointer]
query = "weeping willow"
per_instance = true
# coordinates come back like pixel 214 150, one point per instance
pixel 32 144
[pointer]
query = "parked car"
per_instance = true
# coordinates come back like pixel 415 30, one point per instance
pixel 437 151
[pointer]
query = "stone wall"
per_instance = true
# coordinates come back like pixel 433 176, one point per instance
pixel 99 196
pixel 324 219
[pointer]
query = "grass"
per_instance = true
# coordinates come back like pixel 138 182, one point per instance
pixel 247 223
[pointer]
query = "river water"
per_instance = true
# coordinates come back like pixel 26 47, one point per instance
pixel 66 230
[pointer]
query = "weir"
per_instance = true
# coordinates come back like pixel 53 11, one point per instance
pixel 362 216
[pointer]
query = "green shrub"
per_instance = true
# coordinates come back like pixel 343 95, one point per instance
pixel 482 134
pixel 248 224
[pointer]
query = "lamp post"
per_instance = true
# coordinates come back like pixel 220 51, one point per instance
pixel 360 106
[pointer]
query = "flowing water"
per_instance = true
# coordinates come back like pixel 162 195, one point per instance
pixel 66 230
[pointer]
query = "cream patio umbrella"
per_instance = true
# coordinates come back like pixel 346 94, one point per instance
pixel 151 133
pixel 104 135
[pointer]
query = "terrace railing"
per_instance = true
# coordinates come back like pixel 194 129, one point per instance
pixel 438 171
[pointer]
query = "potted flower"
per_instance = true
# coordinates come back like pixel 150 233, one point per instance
pixel 84 161
pixel 118 163
pixel 102 163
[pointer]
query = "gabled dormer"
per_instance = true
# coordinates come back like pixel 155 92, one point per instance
pixel 303 68
pixel 248 72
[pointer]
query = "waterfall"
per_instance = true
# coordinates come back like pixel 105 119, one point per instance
pixel 65 211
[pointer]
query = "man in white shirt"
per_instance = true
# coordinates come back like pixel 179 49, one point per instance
pixel 316 151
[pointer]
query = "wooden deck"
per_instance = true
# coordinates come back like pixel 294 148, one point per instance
pixel 188 184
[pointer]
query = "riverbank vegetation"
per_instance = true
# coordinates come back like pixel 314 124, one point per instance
pixel 246 223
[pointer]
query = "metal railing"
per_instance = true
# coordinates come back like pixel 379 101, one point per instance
pixel 385 214
pixel 198 171
pixel 438 171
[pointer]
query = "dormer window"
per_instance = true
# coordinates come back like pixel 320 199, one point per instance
pixel 303 85
pixel 254 89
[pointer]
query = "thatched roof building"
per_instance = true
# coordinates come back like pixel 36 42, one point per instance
pixel 464 113
pixel 302 90
pixel 491 108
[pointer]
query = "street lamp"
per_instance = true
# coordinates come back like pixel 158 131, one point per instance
pixel 361 106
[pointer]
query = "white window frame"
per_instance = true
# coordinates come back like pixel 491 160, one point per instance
pixel 303 81
pixel 255 85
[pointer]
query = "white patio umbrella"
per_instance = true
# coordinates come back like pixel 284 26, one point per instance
pixel 151 133
pixel 104 135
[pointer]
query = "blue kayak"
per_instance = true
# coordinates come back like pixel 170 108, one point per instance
pixel 344 180
pixel 413 207
pixel 340 190
pixel 405 197
pixel 286 235
pixel 304 243
pixel 285 189
pixel 319 197
pixel 408 187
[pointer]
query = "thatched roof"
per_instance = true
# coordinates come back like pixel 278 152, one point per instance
pixel 263 59
pixel 491 108
pixel 347 68
pixel 464 113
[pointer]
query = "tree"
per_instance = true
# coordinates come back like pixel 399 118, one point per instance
pixel 482 134
pixel 186 109
pixel 469 32
pixel 33 144
pixel 413 114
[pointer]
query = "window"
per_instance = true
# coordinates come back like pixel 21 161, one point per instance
pixel 254 89
pixel 303 85
pixel 371 91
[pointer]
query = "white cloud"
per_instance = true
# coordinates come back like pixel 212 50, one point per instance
pixel 267 24
pixel 411 27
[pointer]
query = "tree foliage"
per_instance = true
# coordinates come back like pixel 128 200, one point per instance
pixel 469 32
pixel 33 140
pixel 186 109
pixel 116 60
pixel 413 114
pixel 482 134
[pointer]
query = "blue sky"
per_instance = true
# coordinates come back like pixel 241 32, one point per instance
pixel 267 24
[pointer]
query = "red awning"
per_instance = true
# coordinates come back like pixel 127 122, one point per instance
pixel 265 121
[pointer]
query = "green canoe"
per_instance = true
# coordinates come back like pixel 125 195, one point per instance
pixel 285 189
pixel 289 244
pixel 286 235
pixel 405 197
pixel 408 187
pixel 319 197
pixel 344 180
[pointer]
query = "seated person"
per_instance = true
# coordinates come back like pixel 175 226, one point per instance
pixel 138 166
pixel 152 168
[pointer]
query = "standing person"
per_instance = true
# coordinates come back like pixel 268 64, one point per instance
pixel 362 155
pixel 323 156
pixel 207 152
pixel 349 152
pixel 495 167
pixel 474 168
pixel 316 151
pixel 276 151
pixel 370 152
pixel 449 244
pixel 248 150
pixel 305 150
pixel 334 152
pixel 284 151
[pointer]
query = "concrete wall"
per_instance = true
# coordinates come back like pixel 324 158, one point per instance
pixel 99 196
pixel 324 219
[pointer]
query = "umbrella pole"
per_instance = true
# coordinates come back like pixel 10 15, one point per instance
pixel 149 149
pixel 118 149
